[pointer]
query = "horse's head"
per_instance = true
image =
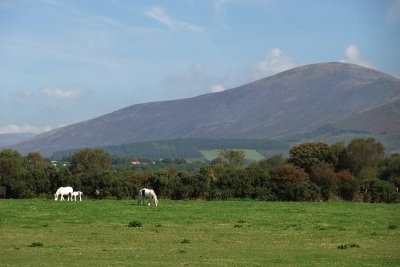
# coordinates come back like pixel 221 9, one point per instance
pixel 156 201
pixel 55 197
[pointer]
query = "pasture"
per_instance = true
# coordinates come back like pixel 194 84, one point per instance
pixel 198 233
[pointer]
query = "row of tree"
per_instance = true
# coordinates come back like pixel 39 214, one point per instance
pixel 181 148
pixel 313 171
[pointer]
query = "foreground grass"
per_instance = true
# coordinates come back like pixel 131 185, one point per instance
pixel 198 233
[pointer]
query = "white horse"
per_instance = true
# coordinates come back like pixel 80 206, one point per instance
pixel 76 194
pixel 143 193
pixel 63 191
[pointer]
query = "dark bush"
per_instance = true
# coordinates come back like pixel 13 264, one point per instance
pixel 376 190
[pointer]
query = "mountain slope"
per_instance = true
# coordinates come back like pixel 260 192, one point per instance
pixel 378 120
pixel 8 139
pixel 297 100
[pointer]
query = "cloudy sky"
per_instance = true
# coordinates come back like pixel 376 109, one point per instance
pixel 65 61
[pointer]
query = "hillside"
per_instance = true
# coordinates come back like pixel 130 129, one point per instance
pixel 382 119
pixel 295 101
pixel 8 139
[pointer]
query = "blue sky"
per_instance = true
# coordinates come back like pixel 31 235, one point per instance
pixel 63 62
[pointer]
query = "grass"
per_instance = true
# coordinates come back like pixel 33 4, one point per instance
pixel 198 233
pixel 249 154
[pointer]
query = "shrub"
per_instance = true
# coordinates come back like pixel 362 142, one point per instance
pixel 36 244
pixel 346 246
pixel 135 223
pixel 323 175
pixel 379 191
pixel 347 186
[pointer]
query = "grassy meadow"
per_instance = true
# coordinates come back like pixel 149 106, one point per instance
pixel 198 233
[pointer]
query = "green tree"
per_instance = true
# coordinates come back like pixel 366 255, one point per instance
pixel 233 159
pixel 35 161
pixel 90 160
pixel 10 168
pixel 390 168
pixel 336 155
pixel 347 185
pixel 308 154
pixel 323 175
pixel 364 153
pixel 288 182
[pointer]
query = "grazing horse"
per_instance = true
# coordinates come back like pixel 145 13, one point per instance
pixel 63 191
pixel 76 194
pixel 143 193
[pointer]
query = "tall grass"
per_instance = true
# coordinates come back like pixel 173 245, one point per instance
pixel 198 233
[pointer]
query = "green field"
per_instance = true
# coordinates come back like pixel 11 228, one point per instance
pixel 249 154
pixel 198 233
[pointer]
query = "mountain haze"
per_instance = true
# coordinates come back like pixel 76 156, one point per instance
pixel 293 101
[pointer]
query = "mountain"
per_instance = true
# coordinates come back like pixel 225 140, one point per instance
pixel 294 101
pixel 8 139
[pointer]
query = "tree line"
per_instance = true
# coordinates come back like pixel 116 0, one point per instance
pixel 314 171
pixel 180 148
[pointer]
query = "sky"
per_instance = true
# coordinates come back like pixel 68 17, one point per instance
pixel 67 61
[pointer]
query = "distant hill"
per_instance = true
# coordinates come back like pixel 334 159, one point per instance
pixel 9 139
pixel 295 101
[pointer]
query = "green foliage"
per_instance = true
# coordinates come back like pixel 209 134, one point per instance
pixel 323 175
pixel 179 148
pixel 10 168
pixel 336 156
pixel 390 168
pixel 135 223
pixel 307 155
pixel 250 155
pixel 364 153
pixel 347 185
pixel 90 160
pixel 314 171
pixel 36 244
pixel 346 246
pixel 376 190
pixel 233 159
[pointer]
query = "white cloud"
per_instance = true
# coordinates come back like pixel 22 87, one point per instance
pixel 158 14
pixel 274 62
pixel 353 55
pixel 61 93
pixel 217 88
pixel 25 128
